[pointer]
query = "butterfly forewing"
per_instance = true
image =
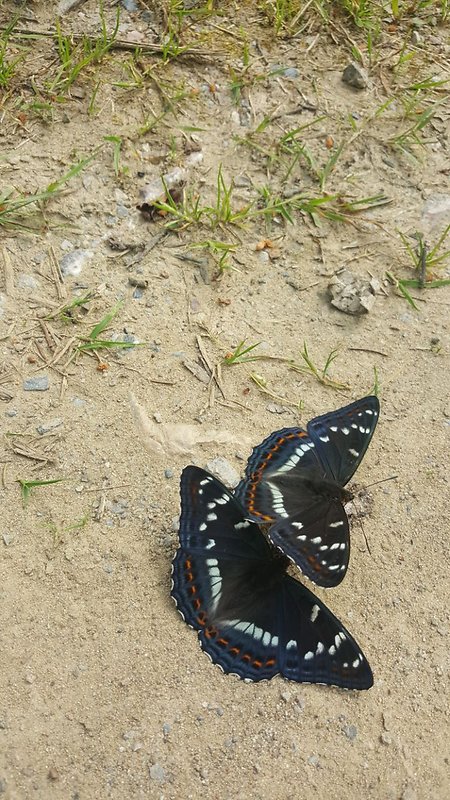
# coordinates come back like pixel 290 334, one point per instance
pixel 203 499
pixel 295 478
pixel 343 436
pixel 252 619
pixel 287 452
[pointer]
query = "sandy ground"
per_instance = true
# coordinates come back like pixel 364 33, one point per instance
pixel 104 692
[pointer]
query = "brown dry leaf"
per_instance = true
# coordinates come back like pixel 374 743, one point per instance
pixel 179 439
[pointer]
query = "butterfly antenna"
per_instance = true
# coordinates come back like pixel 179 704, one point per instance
pixel 383 480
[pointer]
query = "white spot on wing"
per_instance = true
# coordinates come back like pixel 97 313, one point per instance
pixel 336 524
pixel 291 645
pixel 316 540
pixel 244 524
pixel 211 517
pixel 309 655
pixel 353 452
pixel 210 543
pixel 314 612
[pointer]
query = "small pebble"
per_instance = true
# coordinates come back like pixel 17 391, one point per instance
pixel 168 473
pixel 49 426
pixel 157 773
pixel 224 471
pixel 276 409
pixel 355 76
pixel 38 384
pixel 313 761
pixel 385 738
pixel 350 731
pixel 8 538
pixel 72 263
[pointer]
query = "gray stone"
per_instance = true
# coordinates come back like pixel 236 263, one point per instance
pixel 351 731
pixel 158 773
pixel 224 471
pixel 25 281
pixel 355 76
pixel 351 294
pixel 168 472
pixel 72 263
pixel 38 384
pixel 46 427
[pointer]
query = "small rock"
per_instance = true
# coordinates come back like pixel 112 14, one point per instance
pixel 38 384
pixel 355 76
pixel 158 773
pixel 291 72
pixel 12 412
pixel 53 774
pixel 72 263
pixel 224 471
pixel 157 417
pixel 49 426
pixel 25 281
pixel 168 472
pixel 286 696
pixel 313 761
pixel 8 538
pixel 167 727
pixel 350 732
pixel 352 294
pixel 276 409
pixel 385 738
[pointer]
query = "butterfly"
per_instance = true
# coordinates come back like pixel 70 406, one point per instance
pixel 295 479
pixel 253 619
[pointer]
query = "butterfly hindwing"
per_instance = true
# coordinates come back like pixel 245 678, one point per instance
pixel 317 540
pixel 252 619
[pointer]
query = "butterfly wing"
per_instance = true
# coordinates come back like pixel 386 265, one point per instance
pixel 252 619
pixel 315 646
pixel 342 437
pixel 317 540
pixel 284 484
pixel 289 451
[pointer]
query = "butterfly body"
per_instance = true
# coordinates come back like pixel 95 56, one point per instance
pixel 295 479
pixel 252 618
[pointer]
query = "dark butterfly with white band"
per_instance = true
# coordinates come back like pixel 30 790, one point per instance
pixel 253 619
pixel 295 479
